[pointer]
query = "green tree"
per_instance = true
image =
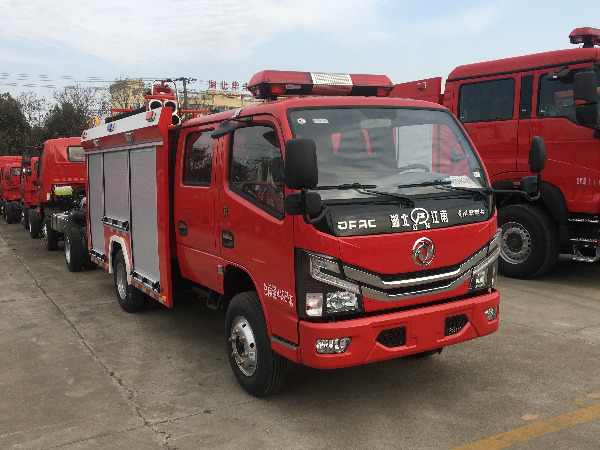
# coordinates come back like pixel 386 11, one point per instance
pixel 14 129
pixel 35 110
pixel 65 120
pixel 73 110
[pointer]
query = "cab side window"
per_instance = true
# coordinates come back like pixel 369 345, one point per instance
pixel 486 101
pixel 256 167
pixel 555 99
pixel 198 159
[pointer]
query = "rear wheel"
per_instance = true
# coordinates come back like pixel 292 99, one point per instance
pixel 530 244
pixel 8 213
pixel 25 219
pixel 16 211
pixel 50 237
pixel 74 253
pixel 88 264
pixel 130 298
pixel 257 368
pixel 34 224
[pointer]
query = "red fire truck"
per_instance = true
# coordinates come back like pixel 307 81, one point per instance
pixel 503 104
pixel 333 230
pixel 61 190
pixel 29 176
pixel 11 191
pixel 4 160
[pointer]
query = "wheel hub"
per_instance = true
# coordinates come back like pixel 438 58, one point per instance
pixel 243 346
pixel 516 243
pixel 68 250
pixel 121 280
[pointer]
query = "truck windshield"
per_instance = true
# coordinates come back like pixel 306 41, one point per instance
pixel 388 150
pixel 76 153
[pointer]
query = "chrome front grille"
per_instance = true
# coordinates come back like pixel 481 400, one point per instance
pixel 389 288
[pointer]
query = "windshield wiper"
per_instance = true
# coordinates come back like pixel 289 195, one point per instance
pixel 347 186
pixel 447 184
pixel 424 183
pixel 369 189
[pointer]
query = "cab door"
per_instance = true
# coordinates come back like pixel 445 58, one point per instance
pixel 194 206
pixel 488 110
pixel 254 232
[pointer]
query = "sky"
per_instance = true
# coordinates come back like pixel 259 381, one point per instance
pixel 48 45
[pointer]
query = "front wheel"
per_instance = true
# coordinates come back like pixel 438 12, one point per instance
pixel 530 244
pixel 257 368
pixel 130 298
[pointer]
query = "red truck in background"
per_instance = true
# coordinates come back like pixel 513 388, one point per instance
pixel 29 176
pixel 11 191
pixel 60 194
pixel 503 104
pixel 336 228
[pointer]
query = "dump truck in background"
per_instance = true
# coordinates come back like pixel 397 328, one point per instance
pixel 10 191
pixel 503 104
pixel 60 210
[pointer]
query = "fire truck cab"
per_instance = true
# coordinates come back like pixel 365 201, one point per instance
pixel 11 191
pixel 503 104
pixel 29 176
pixel 335 226
pixel 61 188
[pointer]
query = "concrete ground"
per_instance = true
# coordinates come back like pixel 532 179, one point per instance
pixel 78 372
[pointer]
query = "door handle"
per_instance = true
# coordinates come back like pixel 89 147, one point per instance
pixel 227 239
pixel 182 228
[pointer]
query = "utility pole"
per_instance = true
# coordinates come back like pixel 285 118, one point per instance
pixel 185 82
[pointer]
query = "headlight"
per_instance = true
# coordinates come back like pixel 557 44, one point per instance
pixel 486 272
pixel 322 289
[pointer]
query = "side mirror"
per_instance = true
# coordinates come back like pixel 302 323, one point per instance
pixel 537 161
pixel 301 170
pixel 226 127
pixel 530 186
pixel 585 94
pixel 293 204
pixel 564 75
pixel 537 154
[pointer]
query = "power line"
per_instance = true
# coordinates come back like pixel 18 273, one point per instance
pixel 49 81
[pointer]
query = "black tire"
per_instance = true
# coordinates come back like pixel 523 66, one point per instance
pixel 257 368
pixel 34 224
pixel 130 298
pixel 530 245
pixel 25 215
pixel 16 211
pixel 8 214
pixel 88 264
pixel 74 252
pixel 50 237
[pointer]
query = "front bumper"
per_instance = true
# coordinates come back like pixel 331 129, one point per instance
pixel 399 334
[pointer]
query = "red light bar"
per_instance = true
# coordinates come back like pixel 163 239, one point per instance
pixel 586 36
pixel 270 84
